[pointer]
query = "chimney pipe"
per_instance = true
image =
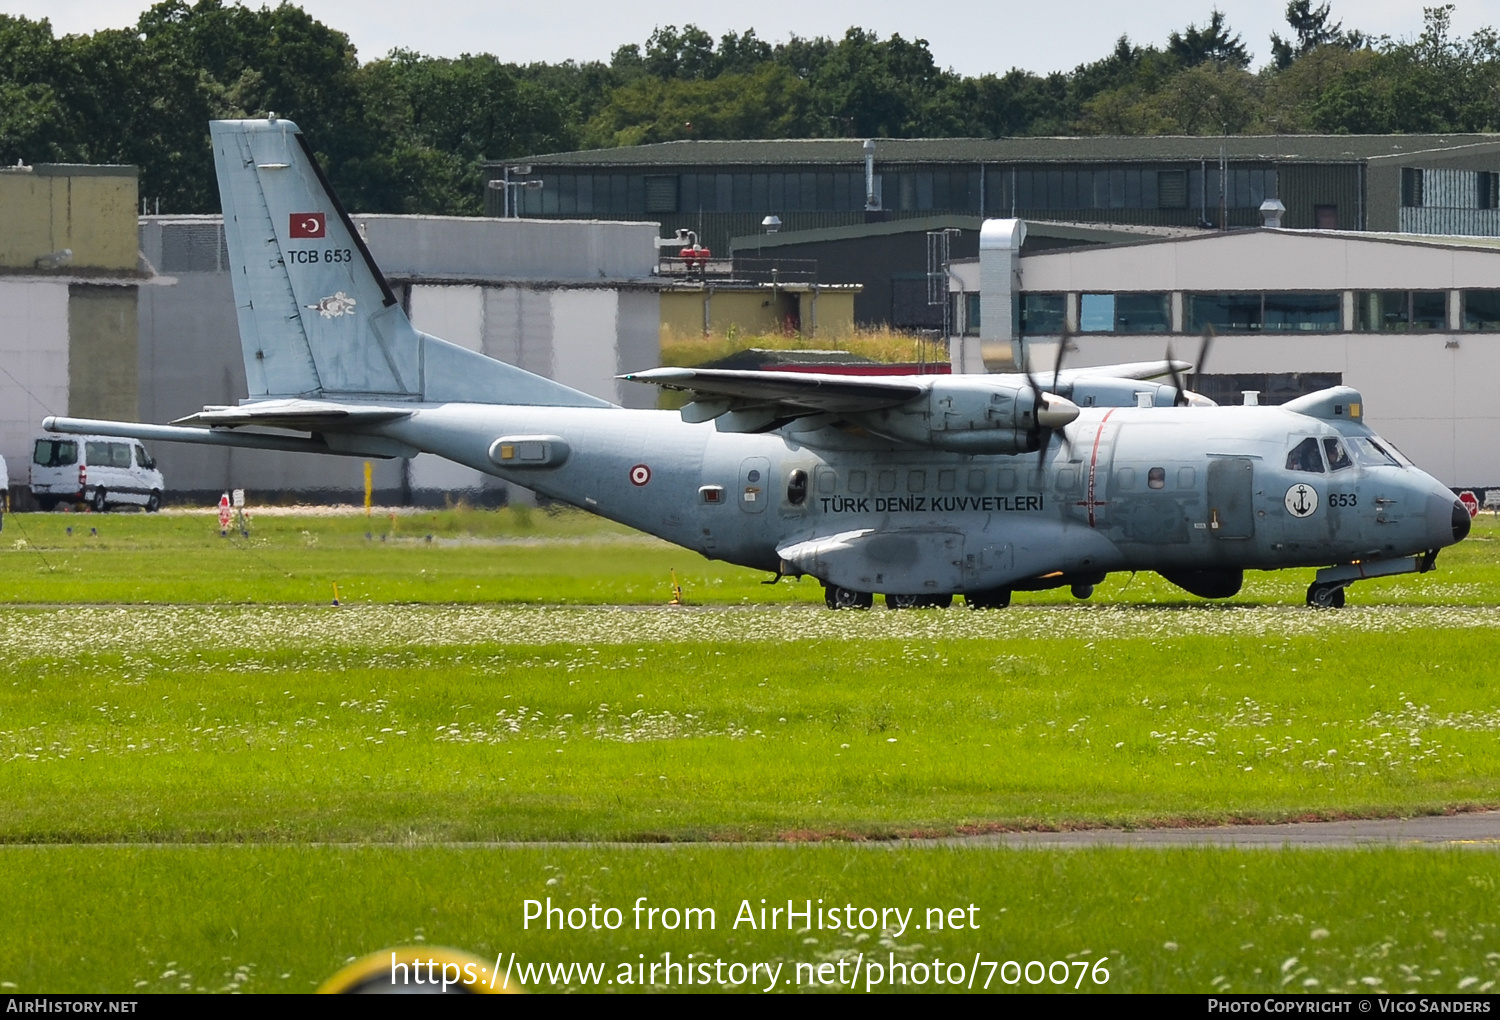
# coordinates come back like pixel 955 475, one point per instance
pixel 872 204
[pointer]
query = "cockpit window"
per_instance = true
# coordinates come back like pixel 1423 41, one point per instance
pixel 1305 457
pixel 1390 448
pixel 1338 457
pixel 1370 453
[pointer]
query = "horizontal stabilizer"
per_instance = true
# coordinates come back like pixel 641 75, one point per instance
pixel 347 445
pixel 303 415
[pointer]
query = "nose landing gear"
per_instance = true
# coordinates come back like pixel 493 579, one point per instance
pixel 1327 595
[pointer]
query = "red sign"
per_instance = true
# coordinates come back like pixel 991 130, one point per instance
pixel 308 224
pixel 1470 501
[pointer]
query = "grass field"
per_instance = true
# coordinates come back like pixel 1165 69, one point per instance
pixel 516 678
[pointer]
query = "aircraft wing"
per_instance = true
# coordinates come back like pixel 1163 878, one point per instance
pixel 794 394
pixel 1127 370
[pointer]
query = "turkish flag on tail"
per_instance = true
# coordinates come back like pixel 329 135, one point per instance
pixel 308 224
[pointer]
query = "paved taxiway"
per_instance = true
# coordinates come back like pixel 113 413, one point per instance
pixel 1477 830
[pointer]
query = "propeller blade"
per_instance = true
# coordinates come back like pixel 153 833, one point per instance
pixel 1201 365
pixel 1179 398
pixel 1062 349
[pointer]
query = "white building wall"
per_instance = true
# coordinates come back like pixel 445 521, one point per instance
pixel 33 365
pixel 1430 394
pixel 455 314
pixel 585 344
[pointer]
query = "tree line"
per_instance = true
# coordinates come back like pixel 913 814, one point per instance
pixel 410 133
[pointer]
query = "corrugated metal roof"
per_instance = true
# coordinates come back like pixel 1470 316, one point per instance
pixel 1092 233
pixel 791 151
pixel 1449 241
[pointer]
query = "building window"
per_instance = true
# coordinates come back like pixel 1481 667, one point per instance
pixel 1227 313
pixel 1482 310
pixel 1401 311
pixel 1290 313
pixel 1042 314
pixel 1268 313
pixel 1171 189
pixel 1489 189
pixel 1326 217
pixel 971 314
pixel 1411 187
pixel 1124 313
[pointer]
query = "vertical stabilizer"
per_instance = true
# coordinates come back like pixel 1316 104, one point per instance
pixel 317 318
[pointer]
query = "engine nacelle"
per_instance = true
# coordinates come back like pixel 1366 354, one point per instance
pixel 970 414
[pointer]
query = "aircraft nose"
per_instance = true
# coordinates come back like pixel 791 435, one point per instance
pixel 1461 521
pixel 1447 519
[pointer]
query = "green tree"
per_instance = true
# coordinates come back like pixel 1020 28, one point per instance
pixel 1212 43
pixel 767 103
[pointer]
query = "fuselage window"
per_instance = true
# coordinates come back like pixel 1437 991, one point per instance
pixel 827 480
pixel 945 480
pixel 796 487
pixel 1305 457
pixel 1156 478
pixel 1186 478
pixel 1005 480
pixel 916 481
pixel 1066 479
pixel 1125 478
pixel 858 480
pixel 887 481
pixel 976 480
pixel 1338 457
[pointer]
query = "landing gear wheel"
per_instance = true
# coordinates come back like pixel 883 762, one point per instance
pixel 1082 591
pixel 918 601
pixel 995 598
pixel 1325 596
pixel 98 501
pixel 835 597
pixel 153 502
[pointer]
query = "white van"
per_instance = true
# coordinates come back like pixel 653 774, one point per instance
pixel 98 470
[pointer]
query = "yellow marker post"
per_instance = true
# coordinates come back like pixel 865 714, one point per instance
pixel 369 486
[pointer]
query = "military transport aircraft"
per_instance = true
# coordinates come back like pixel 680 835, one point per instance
pixel 917 488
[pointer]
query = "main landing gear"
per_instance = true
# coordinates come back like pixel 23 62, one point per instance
pixel 835 597
pixel 918 601
pixel 995 598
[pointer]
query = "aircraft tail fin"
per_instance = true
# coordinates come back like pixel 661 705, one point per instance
pixel 317 318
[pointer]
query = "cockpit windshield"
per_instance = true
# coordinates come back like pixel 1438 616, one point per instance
pixel 1372 453
pixel 1305 457
pixel 1338 457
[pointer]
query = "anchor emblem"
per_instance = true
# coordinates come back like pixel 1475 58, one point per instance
pixel 1301 500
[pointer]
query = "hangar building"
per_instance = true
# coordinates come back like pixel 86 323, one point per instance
pixel 1413 322
pixel 722 190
